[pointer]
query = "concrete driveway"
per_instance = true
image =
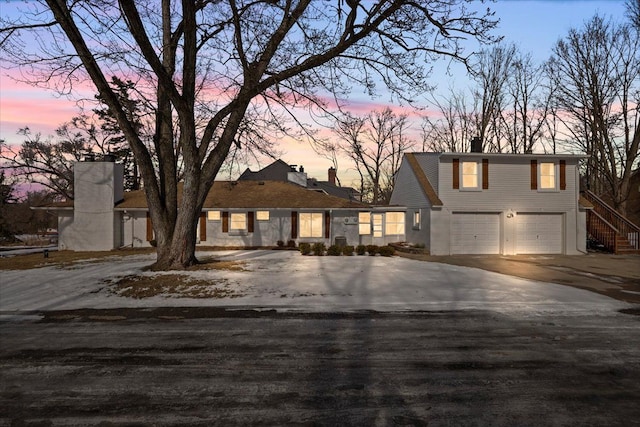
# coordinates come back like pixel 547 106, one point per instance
pixel 286 280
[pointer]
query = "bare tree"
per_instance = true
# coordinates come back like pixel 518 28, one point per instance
pixel 375 143
pixel 596 75
pixel 232 62
pixel 633 9
pixel 453 126
pixel 491 71
pixel 524 122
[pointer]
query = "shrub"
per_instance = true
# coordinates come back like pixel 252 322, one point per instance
pixel 347 250
pixel 291 244
pixel 280 243
pixel 153 243
pixel 318 248
pixel 387 251
pixel 334 250
pixel 361 249
pixel 372 249
pixel 305 248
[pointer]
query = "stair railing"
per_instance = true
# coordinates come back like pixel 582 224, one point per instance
pixel 606 215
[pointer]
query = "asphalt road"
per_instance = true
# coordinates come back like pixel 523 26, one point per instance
pixel 205 366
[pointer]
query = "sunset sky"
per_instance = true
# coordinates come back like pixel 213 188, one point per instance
pixel 534 25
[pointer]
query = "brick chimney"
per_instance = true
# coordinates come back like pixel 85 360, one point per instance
pixel 332 176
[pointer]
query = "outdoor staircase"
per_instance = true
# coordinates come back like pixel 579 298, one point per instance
pixel 615 232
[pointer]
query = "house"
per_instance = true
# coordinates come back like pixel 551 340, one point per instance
pixel 281 171
pixel 481 203
pixel 242 213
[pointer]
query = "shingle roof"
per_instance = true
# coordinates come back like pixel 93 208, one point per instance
pixel 423 180
pixel 255 194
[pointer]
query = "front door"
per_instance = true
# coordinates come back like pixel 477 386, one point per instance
pixel 376 223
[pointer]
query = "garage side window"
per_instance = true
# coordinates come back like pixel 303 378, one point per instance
pixel 364 223
pixel 416 220
pixel 394 223
pixel 213 215
pixel 262 215
pixel 311 224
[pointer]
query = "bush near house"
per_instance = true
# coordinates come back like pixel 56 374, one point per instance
pixel 305 248
pixel 318 248
pixel 291 244
pixel 280 243
pixel 347 250
pixel 387 251
pixel 361 249
pixel 334 250
pixel 372 249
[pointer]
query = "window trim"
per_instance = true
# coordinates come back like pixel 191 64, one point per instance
pixel 482 174
pixel 231 222
pixel 464 187
pixel 212 213
pixel 362 223
pixel 401 221
pixel 311 234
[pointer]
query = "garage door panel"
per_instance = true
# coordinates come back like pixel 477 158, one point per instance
pixel 475 233
pixel 539 233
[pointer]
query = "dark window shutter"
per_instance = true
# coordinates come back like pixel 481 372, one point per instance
pixel 225 222
pixel 250 219
pixel 294 224
pixel 327 224
pixel 485 174
pixel 563 174
pixel 456 174
pixel 203 226
pixel 149 228
pixel 534 174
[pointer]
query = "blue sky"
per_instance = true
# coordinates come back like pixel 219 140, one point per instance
pixel 534 25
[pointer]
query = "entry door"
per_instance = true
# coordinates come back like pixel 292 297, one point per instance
pixel 475 233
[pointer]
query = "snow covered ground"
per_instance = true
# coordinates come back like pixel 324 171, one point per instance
pixel 286 280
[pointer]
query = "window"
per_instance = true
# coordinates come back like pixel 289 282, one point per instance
pixel 547 176
pixel 377 224
pixel 416 220
pixel 238 221
pixel 262 215
pixel 364 223
pixel 394 223
pixel 213 215
pixel 311 224
pixel 469 175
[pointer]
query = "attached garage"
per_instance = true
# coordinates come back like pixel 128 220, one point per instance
pixel 475 233
pixel 538 233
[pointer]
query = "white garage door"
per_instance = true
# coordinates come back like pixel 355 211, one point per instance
pixel 539 233
pixel 475 233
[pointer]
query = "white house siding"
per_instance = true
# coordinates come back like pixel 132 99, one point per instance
pixel 93 225
pixel 509 193
pixel 407 192
pixel 134 229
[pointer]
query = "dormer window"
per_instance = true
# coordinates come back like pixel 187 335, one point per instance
pixel 548 176
pixel 471 175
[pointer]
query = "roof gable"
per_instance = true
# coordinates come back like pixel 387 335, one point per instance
pixel 426 186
